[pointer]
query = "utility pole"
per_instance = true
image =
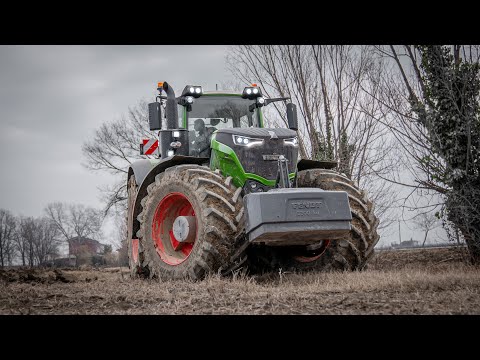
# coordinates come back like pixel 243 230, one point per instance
pixel 399 234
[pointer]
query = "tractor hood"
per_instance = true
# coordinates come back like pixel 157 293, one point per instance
pixel 259 155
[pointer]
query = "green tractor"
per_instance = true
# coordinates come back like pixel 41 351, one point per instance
pixel 223 192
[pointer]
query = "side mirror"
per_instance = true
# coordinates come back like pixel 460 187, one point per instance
pixel 292 116
pixel 155 115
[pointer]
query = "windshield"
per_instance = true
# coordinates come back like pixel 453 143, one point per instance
pixel 220 112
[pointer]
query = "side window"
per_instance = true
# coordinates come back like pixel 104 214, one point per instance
pixel 181 109
pixel 244 123
pixel 256 118
pixel 249 120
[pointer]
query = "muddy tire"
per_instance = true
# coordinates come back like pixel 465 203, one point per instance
pixel 216 207
pixel 350 253
pixel 135 252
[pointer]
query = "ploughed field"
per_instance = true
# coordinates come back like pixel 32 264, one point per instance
pixel 421 281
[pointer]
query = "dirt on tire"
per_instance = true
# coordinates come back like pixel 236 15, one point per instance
pixel 218 209
pixel 354 251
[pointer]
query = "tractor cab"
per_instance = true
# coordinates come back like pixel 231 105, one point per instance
pixel 227 131
pixel 216 111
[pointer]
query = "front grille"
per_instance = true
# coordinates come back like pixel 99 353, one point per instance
pixel 252 157
pixel 253 161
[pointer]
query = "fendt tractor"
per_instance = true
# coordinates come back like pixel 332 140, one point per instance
pixel 222 192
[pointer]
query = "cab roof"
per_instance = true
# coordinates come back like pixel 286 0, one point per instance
pixel 224 92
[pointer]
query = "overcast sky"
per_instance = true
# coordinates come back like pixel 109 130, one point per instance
pixel 52 98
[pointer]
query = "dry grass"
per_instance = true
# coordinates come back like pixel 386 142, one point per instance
pixel 402 282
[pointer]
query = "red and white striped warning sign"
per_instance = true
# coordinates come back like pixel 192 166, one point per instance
pixel 149 146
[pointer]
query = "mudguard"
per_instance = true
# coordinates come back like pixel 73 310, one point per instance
pixel 305 164
pixel 145 171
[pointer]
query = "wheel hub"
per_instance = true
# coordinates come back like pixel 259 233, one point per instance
pixel 174 229
pixel 184 229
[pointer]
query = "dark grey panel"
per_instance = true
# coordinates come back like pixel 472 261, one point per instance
pixel 296 216
pixel 300 233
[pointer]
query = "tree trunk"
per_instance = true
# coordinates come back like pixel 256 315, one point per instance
pixel 473 245
pixel 463 212
pixel 425 239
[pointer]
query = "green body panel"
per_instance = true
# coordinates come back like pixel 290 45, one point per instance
pixel 184 117
pixel 224 158
pixel 260 112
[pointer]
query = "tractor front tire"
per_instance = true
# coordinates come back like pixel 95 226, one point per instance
pixel 216 207
pixel 349 253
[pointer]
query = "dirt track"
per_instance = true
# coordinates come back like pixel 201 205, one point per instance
pixel 401 282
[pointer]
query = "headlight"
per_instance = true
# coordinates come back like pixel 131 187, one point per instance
pixel 251 92
pixel 192 90
pixel 246 141
pixel 292 141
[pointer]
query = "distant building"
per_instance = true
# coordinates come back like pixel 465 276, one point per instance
pixel 87 251
pixel 406 244
pixel 70 261
pixel 81 245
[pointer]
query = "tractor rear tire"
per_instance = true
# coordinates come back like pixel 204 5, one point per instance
pixel 350 253
pixel 135 251
pixel 217 208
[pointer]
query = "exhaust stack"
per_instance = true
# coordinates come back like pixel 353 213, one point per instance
pixel 171 109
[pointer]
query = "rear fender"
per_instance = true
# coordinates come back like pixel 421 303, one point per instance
pixel 305 164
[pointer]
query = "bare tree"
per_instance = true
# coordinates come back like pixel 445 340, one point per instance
pixel 74 219
pixel 19 245
pixel 426 221
pixel 8 226
pixel 339 119
pixel 25 240
pixel 36 240
pixel 432 96
pixel 46 241
pixel 113 148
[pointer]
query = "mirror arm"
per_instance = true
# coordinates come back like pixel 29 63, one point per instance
pixel 268 101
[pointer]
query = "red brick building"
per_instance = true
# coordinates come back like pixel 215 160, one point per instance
pixel 84 246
